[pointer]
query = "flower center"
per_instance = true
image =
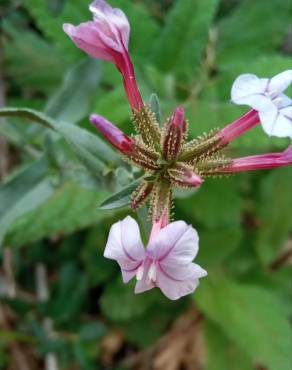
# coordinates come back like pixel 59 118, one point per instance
pixel 152 273
pixel 140 272
pixel 275 97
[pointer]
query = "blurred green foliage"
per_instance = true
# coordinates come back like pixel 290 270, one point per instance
pixel 188 52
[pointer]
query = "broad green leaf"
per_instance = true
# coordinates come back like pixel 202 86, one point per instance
pixel 93 152
pixel 23 193
pixel 184 37
pixel 250 316
pixel 72 101
pixel 274 213
pixel 222 351
pixel 69 209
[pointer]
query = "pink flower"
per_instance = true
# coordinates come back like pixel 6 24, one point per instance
pixel 262 161
pixel 113 134
pixel 266 96
pixel 107 37
pixel 166 263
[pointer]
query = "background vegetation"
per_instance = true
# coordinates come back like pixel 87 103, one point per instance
pixel 61 301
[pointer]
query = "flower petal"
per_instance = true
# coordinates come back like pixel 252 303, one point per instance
pixel 176 243
pixel 249 89
pixel 125 246
pixel 175 288
pixel 277 122
pixel 281 81
pixel 114 17
pixel 87 37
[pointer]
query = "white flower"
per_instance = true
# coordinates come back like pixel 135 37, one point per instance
pixel 266 96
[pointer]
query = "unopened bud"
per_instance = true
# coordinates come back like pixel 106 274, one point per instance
pixel 174 135
pixel 183 175
pixel 113 134
pixel 141 193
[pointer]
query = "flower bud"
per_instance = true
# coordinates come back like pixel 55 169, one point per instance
pixel 258 162
pixel 183 175
pixel 113 134
pixel 141 193
pixel 174 135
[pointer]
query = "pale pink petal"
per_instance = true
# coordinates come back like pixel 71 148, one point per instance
pixel 176 242
pixel 143 285
pixel 115 19
pixel 277 122
pixel 88 38
pixel 182 272
pixel 280 82
pixel 175 288
pixel 125 246
pixel 249 89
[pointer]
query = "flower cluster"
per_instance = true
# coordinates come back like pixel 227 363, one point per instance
pixel 170 160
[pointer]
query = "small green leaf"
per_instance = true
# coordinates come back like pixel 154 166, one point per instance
pixel 120 199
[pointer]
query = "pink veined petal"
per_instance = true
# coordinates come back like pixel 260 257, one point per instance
pixel 87 37
pixel 176 243
pixel 277 122
pixel 175 288
pixel 143 285
pixel 182 272
pixel 280 82
pixel 125 246
pixel 249 89
pixel 114 17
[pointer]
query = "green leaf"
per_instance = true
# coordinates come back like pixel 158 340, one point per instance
pixel 92 151
pixel 274 214
pixel 23 193
pixel 72 100
pixel 120 199
pixel 251 317
pixel 222 351
pixel 69 209
pixel 184 37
